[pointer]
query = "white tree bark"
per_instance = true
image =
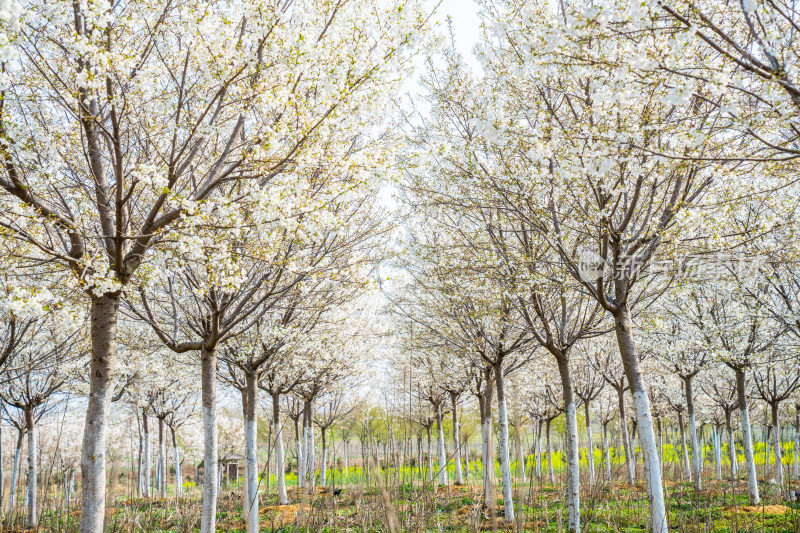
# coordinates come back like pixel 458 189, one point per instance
pixel 251 453
pixel 104 314
pixel 430 455
pixel 208 516
pixel 162 459
pixel 146 458
pixel 323 461
pixel 698 479
pixel 505 463
pixel 442 466
pixel 485 459
pixel 647 440
pixel 717 450
pixel 549 453
pixel 630 465
pixel 747 440
pixel 301 460
pixel 177 459
pixel 589 442
pixel 796 463
pixel 606 451
pixel 776 444
pixel 312 457
pixel 30 423
pixel 539 451
pixel 280 468
pixel 687 471
pixel 456 441
pixel 573 447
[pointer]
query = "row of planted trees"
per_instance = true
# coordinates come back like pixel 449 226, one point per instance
pixel 198 184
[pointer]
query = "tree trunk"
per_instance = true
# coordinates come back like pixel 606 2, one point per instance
pixel 310 447
pixel 298 439
pixel 796 463
pixel 747 440
pixel 731 444
pixel 505 463
pixel 324 458
pixel 430 455
pixel 68 481
pixel 623 430
pixel 146 428
pixel 104 314
pixel 251 453
pixel 162 459
pixel 715 433
pixel 442 464
pixel 687 471
pixel 177 459
pixel 549 452
pixel 15 472
pixel 456 441
pixel 776 443
pixel 280 469
pixel 606 451
pixel 346 454
pixel 30 429
pixel 660 443
pixel 139 464
pixel 589 441
pixel 485 452
pixel 647 440
pixel 211 480
pixel 466 458
pixel 698 479
pixel 573 457
pixel 1 461
pixel 539 450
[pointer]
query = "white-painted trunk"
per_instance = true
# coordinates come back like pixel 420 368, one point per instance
pixel 747 440
pixel 698 478
pixel 324 460
pixel 211 471
pixel 549 453
pixel 539 451
pixel 104 314
pixel 486 461
pixel 644 421
pixel 607 451
pixel 505 463
pixel 717 450
pixel 301 460
pixel 346 455
pixel 687 471
pixel 251 453
pixel 573 446
pixel 589 442
pixel 630 465
pixel 776 444
pixel 573 472
pixel 430 456
pixel 312 456
pixel 146 458
pixel 456 441
pixel 796 463
pixel 442 465
pixel 162 459
pixel 280 467
pixel 178 474
pixel 33 451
